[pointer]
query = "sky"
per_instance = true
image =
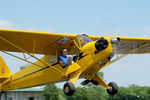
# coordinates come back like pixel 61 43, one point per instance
pixel 93 17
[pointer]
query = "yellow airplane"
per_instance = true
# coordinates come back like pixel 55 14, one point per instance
pixel 90 53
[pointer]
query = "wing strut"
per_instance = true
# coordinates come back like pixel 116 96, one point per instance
pixel 30 54
pixel 123 55
pixel 21 58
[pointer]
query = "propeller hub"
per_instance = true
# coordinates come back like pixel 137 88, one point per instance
pixel 101 44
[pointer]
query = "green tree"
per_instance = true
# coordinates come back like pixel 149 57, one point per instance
pixel 101 74
pixel 93 92
pixel 133 92
pixel 51 92
pixel 82 93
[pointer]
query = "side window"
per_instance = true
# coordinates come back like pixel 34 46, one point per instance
pixel 52 59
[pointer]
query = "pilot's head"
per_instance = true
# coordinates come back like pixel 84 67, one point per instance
pixel 64 52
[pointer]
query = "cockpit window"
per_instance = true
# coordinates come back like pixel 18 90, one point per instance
pixel 83 39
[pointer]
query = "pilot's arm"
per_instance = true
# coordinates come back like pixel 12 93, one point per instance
pixel 69 62
pixel 61 62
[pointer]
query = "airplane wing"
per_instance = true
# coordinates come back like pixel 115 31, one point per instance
pixel 44 42
pixel 34 42
pixel 128 44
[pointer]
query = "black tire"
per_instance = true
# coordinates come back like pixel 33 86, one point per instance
pixel 69 88
pixel 114 88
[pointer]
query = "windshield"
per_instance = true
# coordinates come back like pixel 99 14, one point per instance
pixel 84 39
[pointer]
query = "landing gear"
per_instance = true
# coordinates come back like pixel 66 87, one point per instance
pixel 69 88
pixel 114 88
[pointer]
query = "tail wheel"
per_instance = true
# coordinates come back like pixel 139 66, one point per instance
pixel 114 88
pixel 69 88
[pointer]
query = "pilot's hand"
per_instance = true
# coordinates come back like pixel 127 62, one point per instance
pixel 70 61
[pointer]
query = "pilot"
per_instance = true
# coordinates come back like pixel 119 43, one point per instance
pixel 64 60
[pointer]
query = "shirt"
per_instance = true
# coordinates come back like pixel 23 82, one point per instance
pixel 63 58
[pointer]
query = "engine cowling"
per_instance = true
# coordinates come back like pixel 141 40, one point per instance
pixel 101 44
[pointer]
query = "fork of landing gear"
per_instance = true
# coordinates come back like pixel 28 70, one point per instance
pixel 113 86
pixel 69 87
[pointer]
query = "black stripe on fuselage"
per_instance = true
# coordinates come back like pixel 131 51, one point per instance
pixel 82 56
pixel 37 71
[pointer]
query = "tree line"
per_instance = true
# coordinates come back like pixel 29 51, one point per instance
pixel 92 92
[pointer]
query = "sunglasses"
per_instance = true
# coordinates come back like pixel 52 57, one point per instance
pixel 65 51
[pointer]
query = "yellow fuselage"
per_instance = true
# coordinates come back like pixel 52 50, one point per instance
pixel 33 75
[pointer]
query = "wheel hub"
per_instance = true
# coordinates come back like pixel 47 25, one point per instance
pixel 66 89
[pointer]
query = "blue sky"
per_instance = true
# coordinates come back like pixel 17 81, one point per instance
pixel 94 17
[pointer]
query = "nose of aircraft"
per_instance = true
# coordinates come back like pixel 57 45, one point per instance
pixel 101 44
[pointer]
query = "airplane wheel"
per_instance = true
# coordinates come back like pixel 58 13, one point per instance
pixel 69 88
pixel 114 88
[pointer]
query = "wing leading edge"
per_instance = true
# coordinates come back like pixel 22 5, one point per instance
pixel 46 43
pixel 34 42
